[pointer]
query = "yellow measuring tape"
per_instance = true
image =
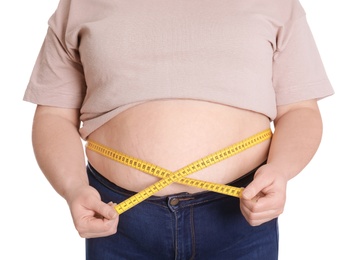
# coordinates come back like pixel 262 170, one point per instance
pixel 168 177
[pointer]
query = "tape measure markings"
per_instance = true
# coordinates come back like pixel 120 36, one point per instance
pixel 160 172
pixel 168 177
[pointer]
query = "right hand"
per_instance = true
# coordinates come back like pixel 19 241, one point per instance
pixel 92 217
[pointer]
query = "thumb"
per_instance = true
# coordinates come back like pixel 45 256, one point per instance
pixel 112 211
pixel 106 210
pixel 255 188
pixel 249 192
pixel 259 183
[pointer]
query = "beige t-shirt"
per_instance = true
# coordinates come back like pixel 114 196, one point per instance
pixel 105 56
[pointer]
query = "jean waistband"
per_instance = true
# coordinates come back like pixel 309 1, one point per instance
pixel 243 181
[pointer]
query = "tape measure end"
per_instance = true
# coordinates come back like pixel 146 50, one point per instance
pixel 118 209
pixel 240 192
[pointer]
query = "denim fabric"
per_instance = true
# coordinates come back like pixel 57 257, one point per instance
pixel 182 226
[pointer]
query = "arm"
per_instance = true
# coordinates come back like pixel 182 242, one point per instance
pixel 297 136
pixel 60 155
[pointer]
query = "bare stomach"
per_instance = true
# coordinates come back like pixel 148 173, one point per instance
pixel 175 133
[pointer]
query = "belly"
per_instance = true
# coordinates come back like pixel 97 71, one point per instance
pixel 175 133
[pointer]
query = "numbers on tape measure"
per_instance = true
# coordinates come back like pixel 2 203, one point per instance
pixel 167 177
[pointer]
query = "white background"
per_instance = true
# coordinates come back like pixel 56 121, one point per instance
pixel 35 221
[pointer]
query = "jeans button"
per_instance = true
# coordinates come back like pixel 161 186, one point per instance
pixel 174 202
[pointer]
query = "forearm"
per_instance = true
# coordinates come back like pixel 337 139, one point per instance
pixel 296 139
pixel 297 135
pixel 59 151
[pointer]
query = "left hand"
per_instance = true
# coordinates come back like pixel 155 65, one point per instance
pixel 264 198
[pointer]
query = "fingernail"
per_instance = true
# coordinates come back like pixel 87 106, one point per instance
pixel 112 214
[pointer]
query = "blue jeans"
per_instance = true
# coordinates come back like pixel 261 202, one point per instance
pixel 204 225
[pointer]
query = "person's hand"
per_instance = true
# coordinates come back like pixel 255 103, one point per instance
pixel 264 198
pixel 92 217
